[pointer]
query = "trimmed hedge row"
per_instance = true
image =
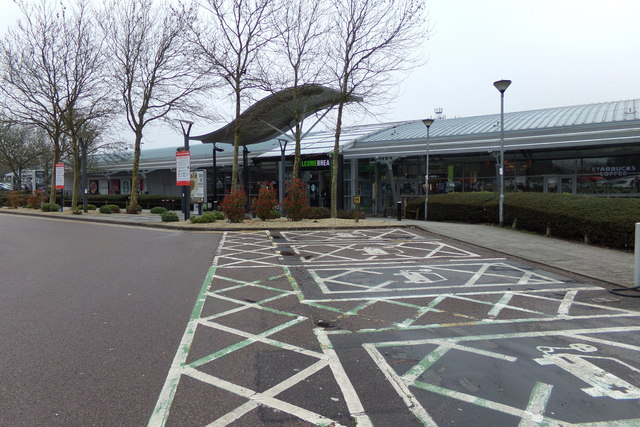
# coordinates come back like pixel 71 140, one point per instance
pixel 146 201
pixel 608 222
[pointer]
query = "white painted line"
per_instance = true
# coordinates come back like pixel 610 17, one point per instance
pixel 260 398
pixel 165 400
pixel 489 337
pixel 263 339
pixel 502 303
pixel 607 342
pixel 274 391
pixel 565 306
pixel 485 403
pixel 351 397
pixel 534 412
pixel 401 387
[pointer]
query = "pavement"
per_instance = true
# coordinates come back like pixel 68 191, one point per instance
pixel 606 265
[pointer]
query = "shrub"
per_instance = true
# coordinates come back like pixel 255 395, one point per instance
pixel 15 199
pixel 205 218
pixel 217 215
pixel 158 210
pixel 50 207
pixel 105 209
pixel 113 208
pixel 233 205
pixel 91 207
pixel 77 210
pixel 352 214
pixel 169 216
pixel 603 221
pixel 295 202
pixel 265 205
pixel 35 200
pixel 315 212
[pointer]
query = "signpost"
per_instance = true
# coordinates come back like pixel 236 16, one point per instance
pixel 183 168
pixel 60 182
pixel 199 188
pixel 356 202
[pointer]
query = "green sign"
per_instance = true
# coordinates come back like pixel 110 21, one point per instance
pixel 315 163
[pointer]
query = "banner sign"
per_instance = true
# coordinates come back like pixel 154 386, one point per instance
pixel 183 168
pixel 59 176
pixel 198 186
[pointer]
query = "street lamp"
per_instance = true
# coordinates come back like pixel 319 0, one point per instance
pixel 215 176
pixel 502 86
pixel 427 123
pixel 83 138
pixel 185 125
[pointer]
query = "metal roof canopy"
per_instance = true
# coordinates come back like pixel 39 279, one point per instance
pixel 275 114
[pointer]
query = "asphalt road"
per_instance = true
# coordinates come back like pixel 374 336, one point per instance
pixel 91 316
pixel 111 325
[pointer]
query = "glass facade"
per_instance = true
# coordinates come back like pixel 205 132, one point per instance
pixel 599 171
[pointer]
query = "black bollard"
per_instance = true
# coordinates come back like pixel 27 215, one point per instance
pixel 399 210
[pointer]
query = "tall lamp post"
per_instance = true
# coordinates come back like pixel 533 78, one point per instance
pixel 427 123
pixel 215 176
pixel 185 125
pixel 502 86
pixel 83 138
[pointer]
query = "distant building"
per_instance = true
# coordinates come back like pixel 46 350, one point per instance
pixel 585 149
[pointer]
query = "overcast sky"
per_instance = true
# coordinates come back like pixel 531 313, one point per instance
pixel 556 52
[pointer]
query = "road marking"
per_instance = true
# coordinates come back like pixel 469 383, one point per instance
pixel 497 308
pixel 401 388
pixel 351 397
pixel 540 395
pixel 165 400
pixel 565 306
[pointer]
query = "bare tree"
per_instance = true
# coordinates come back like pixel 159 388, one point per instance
pixel 32 77
pixel 87 101
pixel 229 40
pixel 151 68
pixel 298 54
pixel 372 41
pixel 21 147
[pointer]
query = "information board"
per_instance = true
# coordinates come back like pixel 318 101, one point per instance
pixel 59 176
pixel 183 168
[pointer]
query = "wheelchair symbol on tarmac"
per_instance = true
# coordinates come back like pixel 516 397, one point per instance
pixel 602 383
pixel 421 276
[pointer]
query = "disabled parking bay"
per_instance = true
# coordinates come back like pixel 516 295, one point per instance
pixel 398 327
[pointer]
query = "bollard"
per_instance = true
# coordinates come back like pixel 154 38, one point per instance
pixel 636 251
pixel 399 210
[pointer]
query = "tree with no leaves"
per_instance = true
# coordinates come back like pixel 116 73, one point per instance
pixel 32 73
pixel 87 98
pixel 370 40
pixel 21 147
pixel 229 40
pixel 151 68
pixel 298 60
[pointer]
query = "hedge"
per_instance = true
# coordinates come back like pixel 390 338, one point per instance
pixel 608 222
pixel 146 201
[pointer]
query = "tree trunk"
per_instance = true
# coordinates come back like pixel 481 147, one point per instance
pixel 76 175
pixel 335 164
pixel 236 141
pixel 56 160
pixel 297 153
pixel 133 200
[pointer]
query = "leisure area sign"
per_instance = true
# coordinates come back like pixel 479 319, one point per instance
pixel 59 176
pixel 183 168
